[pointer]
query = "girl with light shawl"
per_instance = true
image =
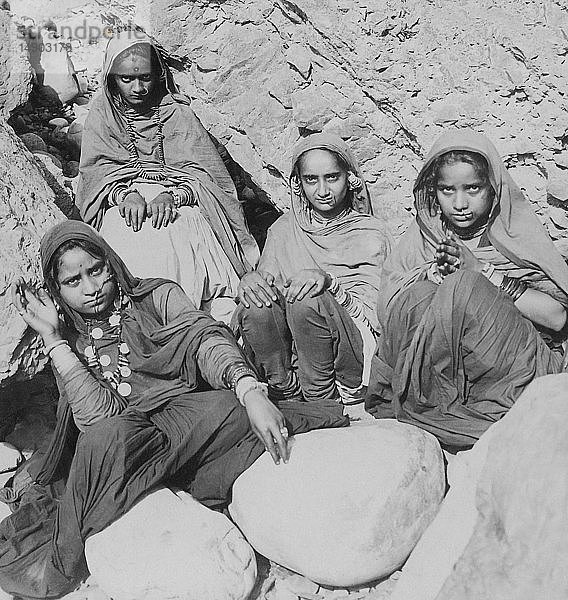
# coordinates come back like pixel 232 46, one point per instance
pixel 153 392
pixel 463 291
pixel 317 282
pixel 154 185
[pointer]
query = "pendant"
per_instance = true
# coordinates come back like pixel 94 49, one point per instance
pixel 108 375
pixel 124 389
pixel 114 320
pixel 104 360
pixel 97 333
pixel 89 352
pixel 123 348
pixel 125 371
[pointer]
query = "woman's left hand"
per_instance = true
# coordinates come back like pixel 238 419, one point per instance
pixel 268 424
pixel 453 254
pixel 307 281
pixel 162 210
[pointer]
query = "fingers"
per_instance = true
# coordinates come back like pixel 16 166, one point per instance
pixel 17 295
pixel 138 216
pixel 317 288
pixel 270 446
pixel 281 439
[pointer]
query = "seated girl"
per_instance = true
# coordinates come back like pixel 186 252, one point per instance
pixel 462 293
pixel 153 183
pixel 313 296
pixel 131 363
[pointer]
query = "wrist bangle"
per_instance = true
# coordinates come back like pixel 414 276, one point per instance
pixel 244 387
pixel 47 350
pixel 233 376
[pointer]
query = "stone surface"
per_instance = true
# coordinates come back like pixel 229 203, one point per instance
pixel 388 75
pixel 169 546
pixel 519 545
pixel 15 70
pixel 349 506
pixel 27 210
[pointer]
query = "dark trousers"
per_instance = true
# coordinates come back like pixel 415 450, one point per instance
pixel 326 341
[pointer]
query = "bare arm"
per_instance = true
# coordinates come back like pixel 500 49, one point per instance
pixel 540 308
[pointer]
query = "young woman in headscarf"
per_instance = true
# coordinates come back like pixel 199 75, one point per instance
pixel 308 312
pixel 152 182
pixel 131 363
pixel 462 293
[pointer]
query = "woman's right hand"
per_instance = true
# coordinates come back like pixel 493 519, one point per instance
pixel 133 210
pixel 38 311
pixel 448 256
pixel 257 287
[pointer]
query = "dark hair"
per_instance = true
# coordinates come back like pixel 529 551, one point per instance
pixel 340 160
pixel 430 181
pixel 52 271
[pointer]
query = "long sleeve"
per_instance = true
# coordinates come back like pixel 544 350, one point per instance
pixel 89 399
pixel 217 357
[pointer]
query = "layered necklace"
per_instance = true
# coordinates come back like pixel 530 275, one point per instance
pixel 102 362
pixel 135 161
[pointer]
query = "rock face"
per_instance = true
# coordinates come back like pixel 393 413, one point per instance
pixel 27 211
pixel 170 546
pixel 349 506
pixel 15 71
pixel 519 546
pixel 388 75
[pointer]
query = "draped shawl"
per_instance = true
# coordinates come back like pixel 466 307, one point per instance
pixel 165 353
pixel 352 248
pixel 190 156
pixel 519 243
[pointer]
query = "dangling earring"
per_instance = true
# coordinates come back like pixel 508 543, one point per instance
pixel 354 182
pixel 119 298
pixel 296 186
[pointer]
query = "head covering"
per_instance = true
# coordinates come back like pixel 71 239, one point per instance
pixel 519 243
pixel 351 247
pixel 189 154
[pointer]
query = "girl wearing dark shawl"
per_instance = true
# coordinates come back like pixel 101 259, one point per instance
pixel 153 183
pixel 131 364
pixel 459 293
pixel 317 281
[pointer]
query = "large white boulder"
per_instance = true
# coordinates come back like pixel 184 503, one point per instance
pixel 348 507
pixel 171 547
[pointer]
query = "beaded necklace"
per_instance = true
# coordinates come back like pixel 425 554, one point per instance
pixel 133 150
pixel 101 362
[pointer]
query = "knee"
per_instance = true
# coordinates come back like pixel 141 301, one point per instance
pixel 307 306
pixel 254 316
pixel 110 431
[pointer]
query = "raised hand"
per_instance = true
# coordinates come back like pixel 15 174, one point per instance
pixel 448 254
pixel 38 311
pixel 133 210
pixel 307 281
pixel 268 424
pixel 257 287
pixel 162 210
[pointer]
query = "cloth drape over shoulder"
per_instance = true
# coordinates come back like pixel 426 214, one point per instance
pixel 190 157
pixel 517 242
pixel 352 248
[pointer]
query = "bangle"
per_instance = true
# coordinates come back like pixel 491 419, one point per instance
pixel 513 286
pixel 47 350
pixel 334 285
pixel 487 270
pixel 232 376
pixel 248 384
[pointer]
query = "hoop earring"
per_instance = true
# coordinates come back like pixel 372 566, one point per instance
pixel 354 183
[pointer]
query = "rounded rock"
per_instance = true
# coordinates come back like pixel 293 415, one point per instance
pixel 349 506
pixel 171 546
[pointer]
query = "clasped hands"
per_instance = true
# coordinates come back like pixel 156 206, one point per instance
pixel 451 255
pixel 258 287
pixel 134 210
